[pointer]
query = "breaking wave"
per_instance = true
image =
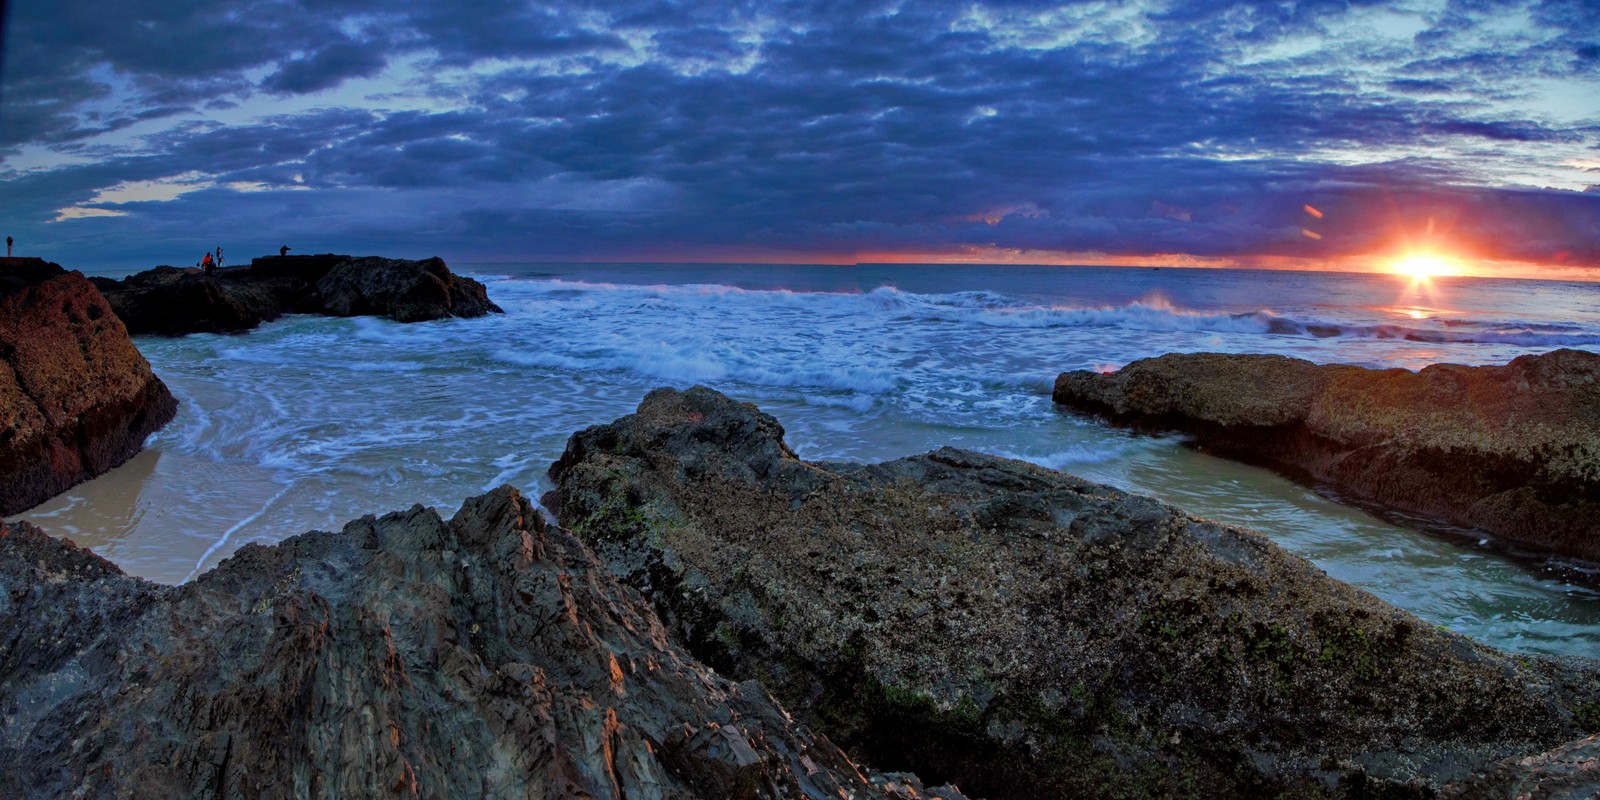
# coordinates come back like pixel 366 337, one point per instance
pixel 998 310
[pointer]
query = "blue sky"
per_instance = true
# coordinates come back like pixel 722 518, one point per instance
pixel 137 132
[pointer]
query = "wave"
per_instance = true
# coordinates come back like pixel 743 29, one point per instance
pixel 1065 458
pixel 688 365
pixel 978 307
pixel 997 310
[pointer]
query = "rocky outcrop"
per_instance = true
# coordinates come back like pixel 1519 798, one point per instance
pixel 1512 450
pixel 169 301
pixel 76 397
pixel 1025 633
pixel 408 656
pixel 406 291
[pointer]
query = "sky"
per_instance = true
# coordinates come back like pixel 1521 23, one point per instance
pixel 1314 134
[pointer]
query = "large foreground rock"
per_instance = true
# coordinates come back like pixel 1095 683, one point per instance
pixel 1511 450
pixel 76 397
pixel 170 301
pixel 1027 634
pixel 486 656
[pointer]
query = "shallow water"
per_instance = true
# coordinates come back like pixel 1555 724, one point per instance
pixel 309 422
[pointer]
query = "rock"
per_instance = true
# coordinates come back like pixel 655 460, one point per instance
pixel 1569 772
pixel 169 301
pixel 406 291
pixel 1512 450
pixel 76 397
pixel 1024 633
pixel 487 656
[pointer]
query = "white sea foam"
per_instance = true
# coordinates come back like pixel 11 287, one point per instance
pixel 1066 458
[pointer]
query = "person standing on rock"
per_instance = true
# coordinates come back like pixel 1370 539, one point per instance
pixel 219 256
pixel 206 264
pixel 8 246
pixel 283 251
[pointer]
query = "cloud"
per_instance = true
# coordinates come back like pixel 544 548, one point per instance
pixel 332 65
pixel 635 129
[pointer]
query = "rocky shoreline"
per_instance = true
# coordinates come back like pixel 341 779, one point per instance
pixel 78 399
pixel 173 301
pixel 982 622
pixel 76 396
pixel 1512 450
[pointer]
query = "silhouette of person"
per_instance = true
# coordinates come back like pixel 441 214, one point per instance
pixel 283 251
pixel 206 264
pixel 8 246
pixel 219 256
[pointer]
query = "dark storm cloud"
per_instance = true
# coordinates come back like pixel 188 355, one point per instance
pixel 632 129
pixel 328 67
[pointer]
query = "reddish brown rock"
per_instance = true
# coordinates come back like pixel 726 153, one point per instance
pixel 76 397
pixel 1512 450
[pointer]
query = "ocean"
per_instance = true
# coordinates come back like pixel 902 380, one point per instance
pixel 309 422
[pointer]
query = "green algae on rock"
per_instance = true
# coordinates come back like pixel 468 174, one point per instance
pixel 489 655
pixel 1512 450
pixel 1025 633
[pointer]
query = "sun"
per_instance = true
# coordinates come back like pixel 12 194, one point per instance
pixel 1423 266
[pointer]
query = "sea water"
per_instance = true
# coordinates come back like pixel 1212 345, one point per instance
pixel 309 422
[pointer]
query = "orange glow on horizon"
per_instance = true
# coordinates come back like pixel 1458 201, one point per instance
pixel 1461 263
pixel 1383 262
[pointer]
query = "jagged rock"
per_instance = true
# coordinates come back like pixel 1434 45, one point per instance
pixel 1025 633
pixel 169 301
pixel 487 656
pixel 1512 450
pixel 76 397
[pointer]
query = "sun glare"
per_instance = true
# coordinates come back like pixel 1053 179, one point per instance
pixel 1422 266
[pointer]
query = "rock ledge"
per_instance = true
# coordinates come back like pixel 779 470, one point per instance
pixel 1513 450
